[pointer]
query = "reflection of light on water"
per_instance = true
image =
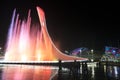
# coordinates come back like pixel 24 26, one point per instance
pixel 26 72
pixel 93 72
pixel 104 68
pixel 115 71
pixel 110 69
pixel 92 66
pixel 65 69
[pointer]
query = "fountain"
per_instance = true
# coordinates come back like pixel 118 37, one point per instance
pixel 27 42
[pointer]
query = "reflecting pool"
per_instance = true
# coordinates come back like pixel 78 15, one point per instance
pixel 39 72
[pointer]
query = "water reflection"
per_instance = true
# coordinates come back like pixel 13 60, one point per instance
pixel 25 72
pixel 32 72
pixel 113 72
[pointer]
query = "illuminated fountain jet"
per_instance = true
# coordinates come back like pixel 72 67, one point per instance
pixel 28 42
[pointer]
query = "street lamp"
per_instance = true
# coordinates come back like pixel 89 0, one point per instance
pixel 92 54
pixel 92 51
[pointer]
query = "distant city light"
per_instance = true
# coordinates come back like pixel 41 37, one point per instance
pixel 0 48
pixel 91 50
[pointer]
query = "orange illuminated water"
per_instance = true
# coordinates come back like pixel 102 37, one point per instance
pixel 29 42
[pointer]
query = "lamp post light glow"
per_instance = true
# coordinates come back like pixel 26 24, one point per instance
pixel 92 51
pixel 92 55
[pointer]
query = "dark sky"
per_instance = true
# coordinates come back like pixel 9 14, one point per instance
pixel 72 23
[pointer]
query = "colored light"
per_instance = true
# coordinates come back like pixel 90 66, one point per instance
pixel 27 42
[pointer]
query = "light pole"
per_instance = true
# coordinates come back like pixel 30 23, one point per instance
pixel 92 54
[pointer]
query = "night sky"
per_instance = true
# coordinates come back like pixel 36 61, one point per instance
pixel 71 23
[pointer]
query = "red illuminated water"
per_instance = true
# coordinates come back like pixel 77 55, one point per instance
pixel 29 42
